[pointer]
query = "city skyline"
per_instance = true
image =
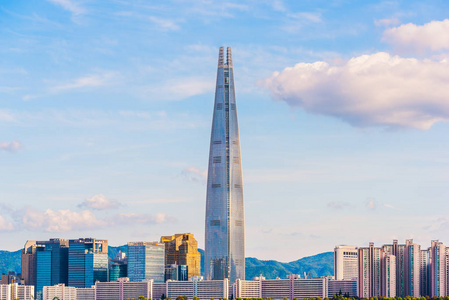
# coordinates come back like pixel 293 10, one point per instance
pixel 105 120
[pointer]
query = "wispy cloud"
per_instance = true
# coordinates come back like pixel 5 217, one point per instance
pixel 369 90
pixel 99 202
pixel 387 22
pixel 337 205
pixel 164 24
pixel 5 225
pixel 194 174
pixel 70 6
pixel 139 218
pixel 371 204
pixel 13 146
pixel 94 80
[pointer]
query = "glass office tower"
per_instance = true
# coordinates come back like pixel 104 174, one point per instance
pixel 225 221
pixel 146 260
pixel 88 262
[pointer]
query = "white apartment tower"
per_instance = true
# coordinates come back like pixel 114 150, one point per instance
pixel 345 262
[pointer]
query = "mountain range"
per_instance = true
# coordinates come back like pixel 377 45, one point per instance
pixel 317 265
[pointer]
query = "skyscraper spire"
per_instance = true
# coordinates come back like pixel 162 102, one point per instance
pixel 225 218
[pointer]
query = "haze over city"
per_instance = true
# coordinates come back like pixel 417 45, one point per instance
pixel 106 111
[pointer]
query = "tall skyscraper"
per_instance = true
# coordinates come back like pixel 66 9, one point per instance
pixel 182 249
pixel 225 221
pixel 412 269
pixel 146 260
pixel 345 262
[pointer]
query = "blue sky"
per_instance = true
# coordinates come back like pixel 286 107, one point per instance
pixel 106 107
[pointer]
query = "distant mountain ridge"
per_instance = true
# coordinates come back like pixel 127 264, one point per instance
pixel 318 265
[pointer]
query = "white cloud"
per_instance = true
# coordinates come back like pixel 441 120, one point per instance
pixel 70 6
pixel 432 36
pixel 369 90
pixel 99 202
pixel 386 22
pixel 10 146
pixel 62 220
pixel 5 225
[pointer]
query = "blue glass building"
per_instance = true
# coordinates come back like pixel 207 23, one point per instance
pixel 225 221
pixel 43 270
pixel 87 262
pixel 146 260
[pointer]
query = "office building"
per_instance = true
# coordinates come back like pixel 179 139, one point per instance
pixel 123 289
pixel 182 249
pixel 175 272
pixel 22 292
pixel 346 288
pixel 118 267
pixel 44 263
pixel 225 221
pixel 88 262
pixel 438 269
pixel 146 260
pixel 8 278
pixel 345 262
pixel 247 289
pixel 60 291
pixel 370 271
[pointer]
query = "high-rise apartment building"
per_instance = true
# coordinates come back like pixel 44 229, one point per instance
pixel 182 249
pixel 438 269
pixel 424 272
pixel 370 271
pixel 345 262
pixel 389 275
pixel 146 260
pixel 88 262
pixel 225 221
pixel 412 268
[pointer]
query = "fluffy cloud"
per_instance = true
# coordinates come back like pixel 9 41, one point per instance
pixel 62 220
pixel 99 202
pixel 5 225
pixel 10 146
pixel 369 90
pixel 432 36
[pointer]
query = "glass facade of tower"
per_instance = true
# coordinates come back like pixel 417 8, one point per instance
pixel 43 270
pixel 225 232
pixel 88 262
pixel 146 261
